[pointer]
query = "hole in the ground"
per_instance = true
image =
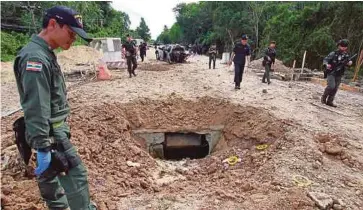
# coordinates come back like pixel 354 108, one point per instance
pixel 185 145
pixel 177 145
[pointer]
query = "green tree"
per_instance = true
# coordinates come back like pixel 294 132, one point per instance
pixel 143 30
pixel 164 37
pixel 175 33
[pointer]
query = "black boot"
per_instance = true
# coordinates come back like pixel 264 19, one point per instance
pixel 330 101
pixel 324 96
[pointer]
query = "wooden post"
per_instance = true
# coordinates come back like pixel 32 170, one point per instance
pixel 302 67
pixel 293 70
pixel 359 62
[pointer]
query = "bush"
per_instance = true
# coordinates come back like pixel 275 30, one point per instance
pixel 11 43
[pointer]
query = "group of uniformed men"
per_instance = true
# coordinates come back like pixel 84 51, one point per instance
pixel 335 65
pixel 43 97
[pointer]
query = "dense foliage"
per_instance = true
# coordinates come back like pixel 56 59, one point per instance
pixel 295 26
pixel 99 20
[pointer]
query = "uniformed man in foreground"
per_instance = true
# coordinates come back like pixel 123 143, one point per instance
pixel 268 61
pixel 240 51
pixel 212 55
pixel 129 50
pixel 43 98
pixel 335 64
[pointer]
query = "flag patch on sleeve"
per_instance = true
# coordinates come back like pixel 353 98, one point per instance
pixel 33 66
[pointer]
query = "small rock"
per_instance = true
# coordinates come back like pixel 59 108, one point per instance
pixel 358 192
pixel 346 161
pixel 332 150
pixel 102 206
pixel 180 170
pixel 290 85
pixel 132 164
pixel 322 200
pixel 212 168
pixel 6 190
pixel 338 201
pixel 156 189
pixel 275 183
pixel 315 97
pixel 144 184
pixel 337 207
pixel 246 187
pixel 321 148
pixel 264 91
pixel 316 165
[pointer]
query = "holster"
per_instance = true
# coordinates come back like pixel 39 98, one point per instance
pixel 20 140
pixel 60 162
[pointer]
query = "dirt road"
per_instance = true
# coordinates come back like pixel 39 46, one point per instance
pixel 322 146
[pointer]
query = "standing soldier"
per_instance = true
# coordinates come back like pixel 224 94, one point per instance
pixel 212 56
pixel 43 98
pixel 240 51
pixel 335 64
pixel 142 48
pixel 268 60
pixel 129 51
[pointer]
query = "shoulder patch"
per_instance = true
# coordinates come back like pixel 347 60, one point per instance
pixel 33 66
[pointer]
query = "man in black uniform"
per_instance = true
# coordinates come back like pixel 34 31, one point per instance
pixel 268 60
pixel 142 48
pixel 212 56
pixel 240 51
pixel 129 51
pixel 335 64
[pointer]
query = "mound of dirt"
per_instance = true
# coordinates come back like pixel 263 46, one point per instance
pixel 279 66
pixel 77 56
pixel 155 67
pixel 7 72
pixel 119 166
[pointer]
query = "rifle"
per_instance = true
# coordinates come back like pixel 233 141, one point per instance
pixel 338 67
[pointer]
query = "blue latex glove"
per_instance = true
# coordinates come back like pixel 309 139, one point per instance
pixel 43 159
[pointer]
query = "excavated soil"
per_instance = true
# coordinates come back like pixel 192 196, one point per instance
pixel 160 66
pixel 279 66
pixel 78 58
pixel 102 132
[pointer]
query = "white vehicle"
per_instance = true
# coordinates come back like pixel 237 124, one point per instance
pixel 161 52
pixel 111 50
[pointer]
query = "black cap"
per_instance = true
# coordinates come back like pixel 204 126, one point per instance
pixel 68 16
pixel 343 43
pixel 244 37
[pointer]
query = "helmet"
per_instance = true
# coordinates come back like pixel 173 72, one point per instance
pixel 343 43
pixel 244 37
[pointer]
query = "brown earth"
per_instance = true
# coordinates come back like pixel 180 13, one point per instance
pixel 77 57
